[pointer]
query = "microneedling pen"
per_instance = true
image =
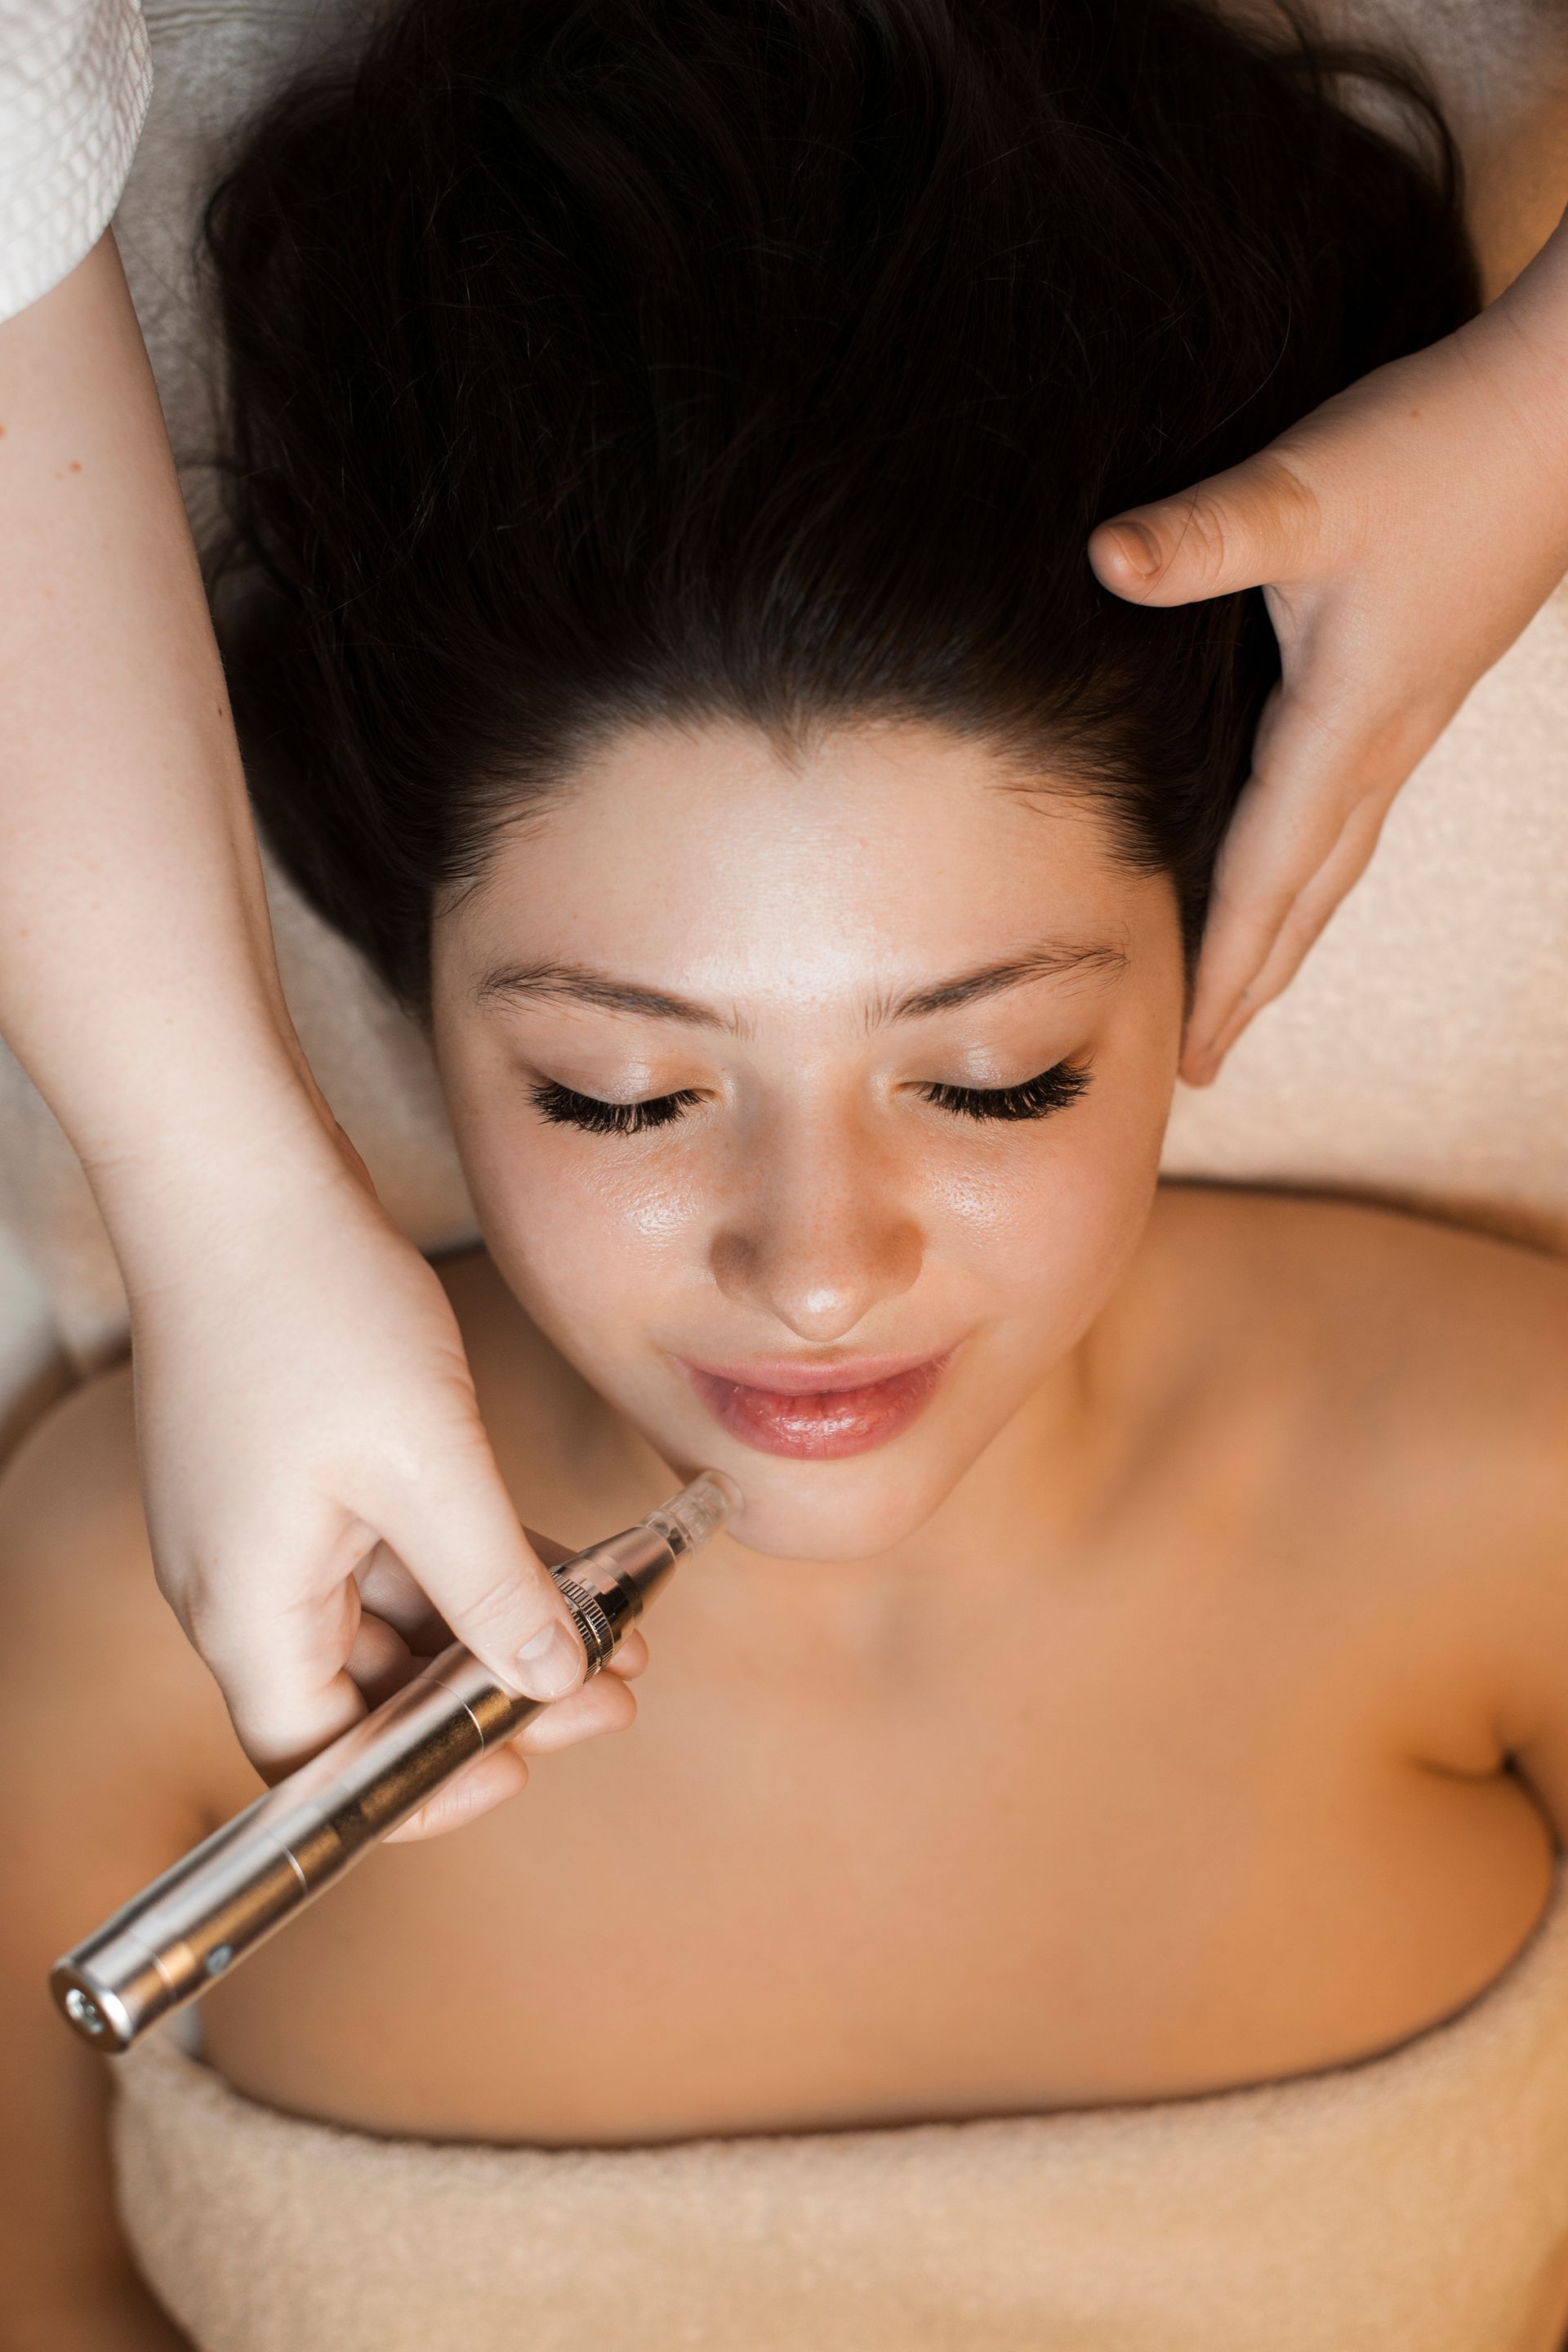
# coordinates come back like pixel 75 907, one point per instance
pixel 169 1943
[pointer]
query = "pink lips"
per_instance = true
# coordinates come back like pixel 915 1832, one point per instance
pixel 821 1412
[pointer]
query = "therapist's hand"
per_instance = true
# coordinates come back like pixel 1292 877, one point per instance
pixel 321 1494
pixel 1403 534
pixel 323 1500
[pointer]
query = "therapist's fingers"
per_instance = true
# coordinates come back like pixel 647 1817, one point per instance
pixel 305 1415
pixel 1257 523
pixel 484 1785
pixel 1278 915
pixel 383 1658
pixel 1302 835
pixel 1403 535
pixel 602 1706
pixel 397 1610
pixel 278 1626
pixel 453 1526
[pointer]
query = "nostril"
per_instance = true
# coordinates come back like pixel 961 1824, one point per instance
pixel 818 1276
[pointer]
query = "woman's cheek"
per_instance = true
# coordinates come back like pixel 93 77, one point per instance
pixel 1045 1223
pixel 587 1238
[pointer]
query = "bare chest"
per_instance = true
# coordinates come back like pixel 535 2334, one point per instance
pixel 1143 1852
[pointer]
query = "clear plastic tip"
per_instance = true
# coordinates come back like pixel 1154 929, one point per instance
pixel 698 1512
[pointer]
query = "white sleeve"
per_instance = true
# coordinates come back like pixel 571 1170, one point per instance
pixel 74 79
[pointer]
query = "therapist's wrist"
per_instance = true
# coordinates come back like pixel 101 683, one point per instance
pixel 202 1167
pixel 1522 339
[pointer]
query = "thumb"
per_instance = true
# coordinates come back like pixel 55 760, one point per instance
pixel 1256 525
pixel 461 1542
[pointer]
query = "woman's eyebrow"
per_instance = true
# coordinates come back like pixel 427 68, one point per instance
pixel 570 984
pixel 1044 962
pixel 559 983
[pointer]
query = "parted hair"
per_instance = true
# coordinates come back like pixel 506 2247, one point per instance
pixel 594 363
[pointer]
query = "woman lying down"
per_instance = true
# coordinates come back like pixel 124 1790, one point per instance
pixel 1084 1873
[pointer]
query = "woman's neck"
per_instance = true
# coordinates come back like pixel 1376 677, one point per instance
pixel 1013 1512
pixel 1021 1519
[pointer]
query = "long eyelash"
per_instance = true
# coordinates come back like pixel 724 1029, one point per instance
pixel 569 1109
pixel 1053 1090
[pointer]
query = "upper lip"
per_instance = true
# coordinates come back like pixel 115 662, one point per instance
pixel 811 1376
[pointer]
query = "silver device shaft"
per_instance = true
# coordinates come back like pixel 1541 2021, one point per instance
pixel 169 1943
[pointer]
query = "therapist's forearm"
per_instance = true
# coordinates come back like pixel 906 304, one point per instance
pixel 137 978
pixel 1534 310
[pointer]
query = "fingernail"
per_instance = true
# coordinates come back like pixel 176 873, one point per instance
pixel 1139 547
pixel 551 1664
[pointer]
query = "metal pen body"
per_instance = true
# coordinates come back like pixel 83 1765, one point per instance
pixel 250 1878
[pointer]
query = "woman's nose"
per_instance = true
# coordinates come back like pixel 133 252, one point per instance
pixel 818 1241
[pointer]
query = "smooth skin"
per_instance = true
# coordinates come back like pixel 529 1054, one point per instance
pixel 1179 1702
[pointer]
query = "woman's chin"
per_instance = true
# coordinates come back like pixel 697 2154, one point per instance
pixel 815 1512
pixel 797 1506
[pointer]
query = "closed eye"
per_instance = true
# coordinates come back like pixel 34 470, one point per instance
pixel 569 1109
pixel 1038 1098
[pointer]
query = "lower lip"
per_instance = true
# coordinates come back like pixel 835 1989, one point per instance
pixel 827 1425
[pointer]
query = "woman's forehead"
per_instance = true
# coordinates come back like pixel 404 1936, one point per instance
pixel 879 860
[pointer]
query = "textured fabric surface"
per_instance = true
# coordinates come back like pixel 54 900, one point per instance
pixel 74 79
pixel 1423 1055
pixel 1419 2200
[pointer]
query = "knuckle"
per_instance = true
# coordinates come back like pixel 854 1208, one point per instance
pixel 1203 534
pixel 1262 522
pixel 1295 510
pixel 212 1625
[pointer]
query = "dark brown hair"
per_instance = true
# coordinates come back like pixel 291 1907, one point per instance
pixel 607 360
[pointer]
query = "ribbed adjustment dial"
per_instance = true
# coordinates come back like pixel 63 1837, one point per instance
pixel 593 1625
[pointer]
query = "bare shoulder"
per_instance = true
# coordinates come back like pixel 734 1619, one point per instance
pixel 1420 1312
pixel 73 1477
pixel 80 1613
pixel 1444 1309
pixel 1425 1366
